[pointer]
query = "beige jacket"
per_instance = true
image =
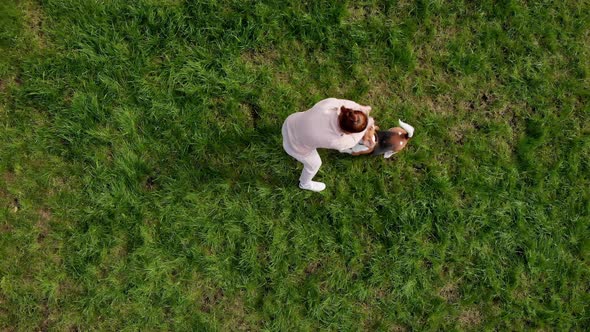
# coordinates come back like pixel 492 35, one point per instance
pixel 318 127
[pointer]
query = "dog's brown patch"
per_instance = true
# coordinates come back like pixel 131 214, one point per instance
pixel 399 141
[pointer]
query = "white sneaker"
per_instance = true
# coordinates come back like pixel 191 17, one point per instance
pixel 313 186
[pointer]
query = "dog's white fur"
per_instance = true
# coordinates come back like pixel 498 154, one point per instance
pixel 407 128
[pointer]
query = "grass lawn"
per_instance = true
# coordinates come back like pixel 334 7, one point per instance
pixel 143 185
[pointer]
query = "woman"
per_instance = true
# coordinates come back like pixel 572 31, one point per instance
pixel 332 123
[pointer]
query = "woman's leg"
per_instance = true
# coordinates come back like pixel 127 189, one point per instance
pixel 311 165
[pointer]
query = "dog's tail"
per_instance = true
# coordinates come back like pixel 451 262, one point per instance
pixel 407 128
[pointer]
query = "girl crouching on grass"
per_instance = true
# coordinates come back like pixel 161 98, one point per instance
pixel 332 123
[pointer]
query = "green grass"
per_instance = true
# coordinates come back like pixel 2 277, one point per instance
pixel 143 185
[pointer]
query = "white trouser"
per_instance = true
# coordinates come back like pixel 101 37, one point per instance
pixel 311 165
pixel 311 162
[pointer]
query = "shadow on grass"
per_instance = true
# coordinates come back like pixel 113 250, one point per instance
pixel 251 158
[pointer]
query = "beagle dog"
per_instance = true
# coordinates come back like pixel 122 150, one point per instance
pixel 384 142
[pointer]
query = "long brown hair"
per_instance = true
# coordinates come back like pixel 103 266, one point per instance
pixel 352 121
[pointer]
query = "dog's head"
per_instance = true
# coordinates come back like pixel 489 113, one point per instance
pixel 398 139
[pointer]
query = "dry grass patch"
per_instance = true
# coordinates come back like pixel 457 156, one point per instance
pixel 358 13
pixel 450 292
pixel 34 23
pixel 460 131
pixel 9 177
pixel 253 58
pixel 211 300
pixel 237 318
pixel 6 228
pixel 252 112
pixel 397 328
pixel 435 49
pixel 268 59
pixel 43 224
pixel 14 205
pixel 312 267
pixel 381 88
pixel 444 105
pixel 470 318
